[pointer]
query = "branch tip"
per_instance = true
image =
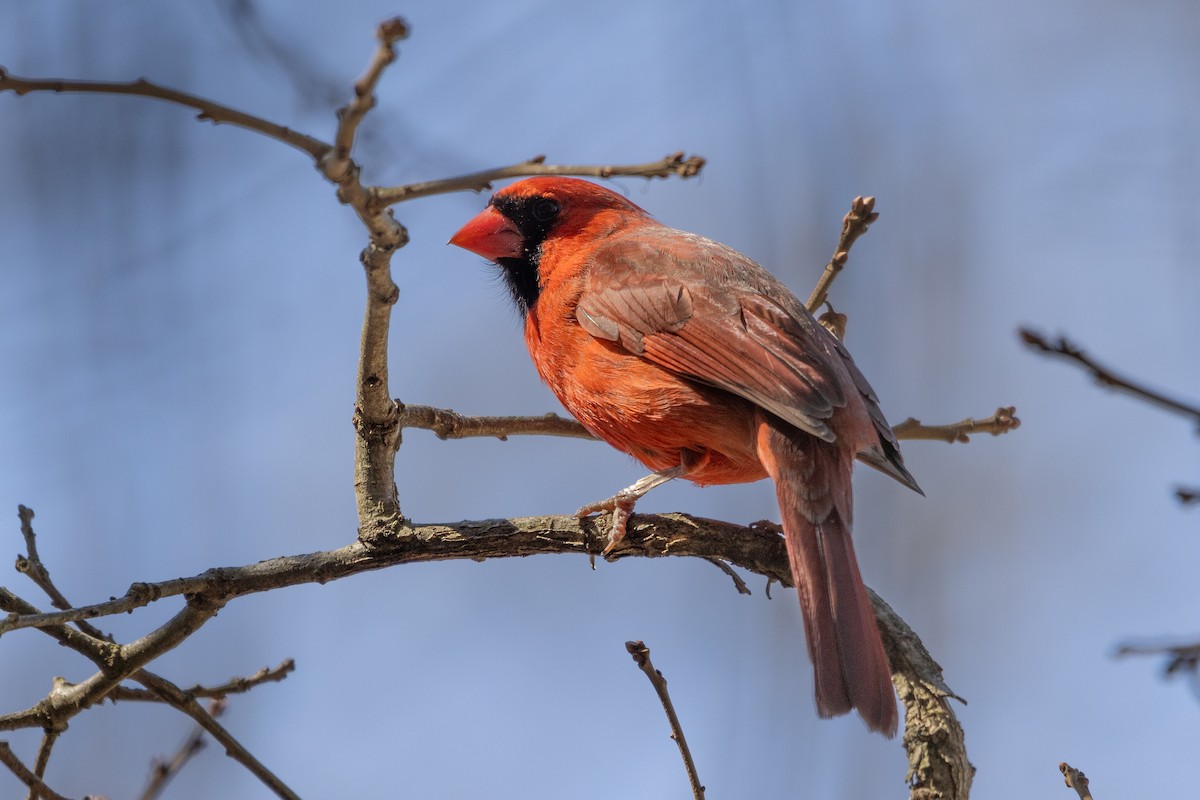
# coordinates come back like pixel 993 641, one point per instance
pixel 393 30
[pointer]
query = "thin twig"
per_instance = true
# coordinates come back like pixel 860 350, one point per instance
pixel 674 164
pixel 738 583
pixel 43 756
pixel 31 564
pixel 235 685
pixel 37 786
pixel 233 748
pixel 854 224
pixel 1182 659
pixel 112 658
pixel 1003 421
pixel 162 771
pixel 1075 779
pixel 447 424
pixel 118 662
pixel 1062 348
pixel 213 112
pixel 641 657
pixel 350 115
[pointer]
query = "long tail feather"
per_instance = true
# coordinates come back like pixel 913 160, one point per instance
pixel 812 483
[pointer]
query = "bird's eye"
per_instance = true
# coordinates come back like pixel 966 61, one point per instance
pixel 545 209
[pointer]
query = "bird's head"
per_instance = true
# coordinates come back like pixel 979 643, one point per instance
pixel 531 228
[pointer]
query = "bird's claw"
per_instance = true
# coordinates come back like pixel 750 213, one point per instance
pixel 621 505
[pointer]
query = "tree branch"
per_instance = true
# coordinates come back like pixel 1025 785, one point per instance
pixel 1003 421
pixel 1181 659
pixel 854 224
pixel 933 736
pixel 938 768
pixel 235 685
pixel 210 111
pixel 676 164
pixel 163 771
pixel 37 787
pixel 1062 348
pixel 389 32
pixel 641 657
pixel 448 424
pixel 1075 779
pixel 233 748
pixel 42 759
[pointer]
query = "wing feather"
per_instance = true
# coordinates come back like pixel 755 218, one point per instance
pixel 702 310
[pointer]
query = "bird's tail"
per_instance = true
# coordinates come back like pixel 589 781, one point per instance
pixel 812 482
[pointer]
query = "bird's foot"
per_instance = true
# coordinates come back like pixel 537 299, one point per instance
pixel 621 505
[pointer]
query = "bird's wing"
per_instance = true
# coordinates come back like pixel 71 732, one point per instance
pixel 707 312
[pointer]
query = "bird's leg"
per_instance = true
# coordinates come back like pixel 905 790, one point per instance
pixel 621 504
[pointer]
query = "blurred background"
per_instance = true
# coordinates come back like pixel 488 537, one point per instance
pixel 180 308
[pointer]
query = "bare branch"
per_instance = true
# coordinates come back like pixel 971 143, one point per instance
pixel 162 771
pixel 213 112
pixel 1181 659
pixel 754 549
pixel 447 424
pixel 1062 348
pixel 31 564
pixel 674 164
pixel 1003 421
pixel 933 737
pixel 118 662
pixel 854 224
pixel 641 657
pixel 42 759
pixel 233 748
pixel 1075 779
pixel 350 115
pixel 738 583
pixel 37 787
pixel 232 686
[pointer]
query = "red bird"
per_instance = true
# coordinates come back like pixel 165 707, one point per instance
pixel 696 361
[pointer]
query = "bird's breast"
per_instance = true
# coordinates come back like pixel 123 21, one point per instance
pixel 659 417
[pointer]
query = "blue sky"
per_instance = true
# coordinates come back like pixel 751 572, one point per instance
pixel 180 309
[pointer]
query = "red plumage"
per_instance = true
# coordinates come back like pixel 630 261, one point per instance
pixel 699 363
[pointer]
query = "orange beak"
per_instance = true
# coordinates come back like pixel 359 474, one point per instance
pixel 491 235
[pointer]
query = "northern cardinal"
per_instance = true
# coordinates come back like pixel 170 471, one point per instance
pixel 696 361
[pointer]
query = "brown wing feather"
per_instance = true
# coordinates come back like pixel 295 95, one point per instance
pixel 701 310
